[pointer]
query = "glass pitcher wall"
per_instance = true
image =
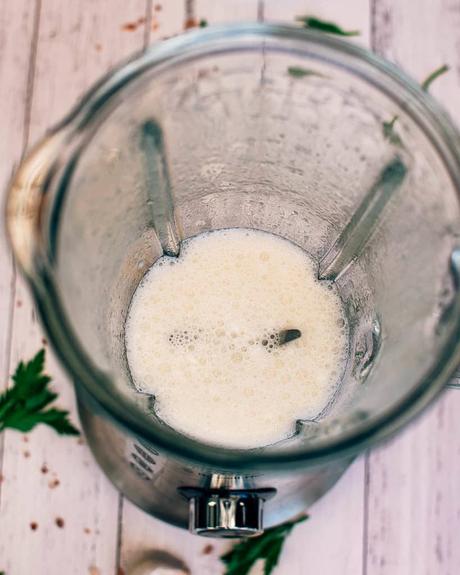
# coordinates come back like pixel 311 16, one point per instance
pixel 285 131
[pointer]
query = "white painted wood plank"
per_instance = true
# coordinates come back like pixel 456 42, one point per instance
pixel 167 19
pixel 414 500
pixel 140 533
pixel 420 37
pixel 16 29
pixel 16 34
pixel 76 44
pixel 331 541
pixel 350 15
pixel 226 11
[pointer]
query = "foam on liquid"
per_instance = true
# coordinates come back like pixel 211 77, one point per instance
pixel 201 336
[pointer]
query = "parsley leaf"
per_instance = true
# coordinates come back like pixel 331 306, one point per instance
pixel 203 23
pixel 432 77
pixel 298 72
pixel 389 132
pixel 22 406
pixel 330 27
pixel 268 546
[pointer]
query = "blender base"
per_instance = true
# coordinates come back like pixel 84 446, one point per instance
pixel 154 482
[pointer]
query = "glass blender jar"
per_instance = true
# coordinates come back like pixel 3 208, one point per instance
pixel 256 126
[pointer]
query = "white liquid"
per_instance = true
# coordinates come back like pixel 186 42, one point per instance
pixel 196 329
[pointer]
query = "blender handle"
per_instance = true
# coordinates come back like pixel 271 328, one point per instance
pixel 25 200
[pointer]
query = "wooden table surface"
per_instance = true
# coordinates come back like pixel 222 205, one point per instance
pixel 397 509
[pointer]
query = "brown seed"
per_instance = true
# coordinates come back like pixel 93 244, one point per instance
pixel 190 23
pixel 129 27
pixel 34 526
pixel 208 549
pixel 44 468
pixel 59 522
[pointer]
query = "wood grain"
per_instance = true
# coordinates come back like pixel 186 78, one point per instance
pixel 414 500
pixel 226 11
pixel 76 44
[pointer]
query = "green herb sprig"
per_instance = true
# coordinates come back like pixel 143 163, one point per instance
pixel 432 77
pixel 298 72
pixel 23 406
pixel 390 134
pixel 267 546
pixel 388 128
pixel 324 26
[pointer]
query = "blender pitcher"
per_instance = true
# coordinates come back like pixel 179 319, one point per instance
pixel 256 126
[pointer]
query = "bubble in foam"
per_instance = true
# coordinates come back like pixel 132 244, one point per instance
pixel 217 335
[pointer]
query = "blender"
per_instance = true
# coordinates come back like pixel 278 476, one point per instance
pixel 265 127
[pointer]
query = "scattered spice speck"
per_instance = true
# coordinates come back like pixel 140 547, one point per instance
pixel 44 341
pixel 59 522
pixel 94 571
pixel 44 468
pixel 2 478
pixel 141 20
pixel 81 441
pixel 98 48
pixel 129 26
pixel 26 454
pixel 87 530
pixel 25 439
pixel 158 7
pixel 155 25
pixel 34 526
pixel 208 549
pixel 53 483
pixel 190 23
pixel 19 303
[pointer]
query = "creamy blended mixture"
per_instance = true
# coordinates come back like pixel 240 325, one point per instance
pixel 202 337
